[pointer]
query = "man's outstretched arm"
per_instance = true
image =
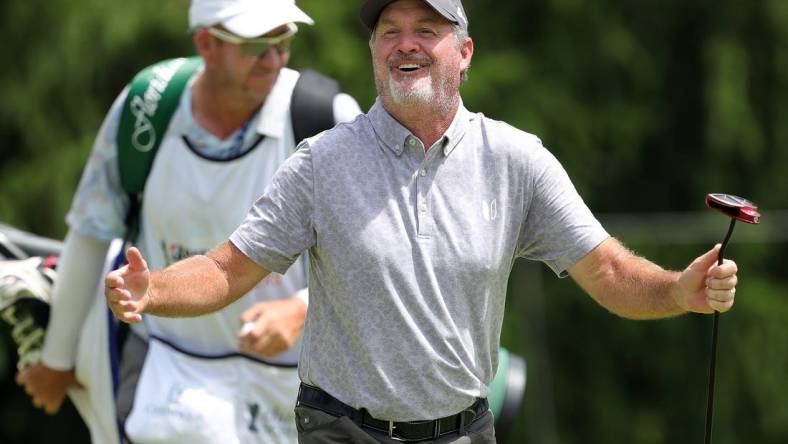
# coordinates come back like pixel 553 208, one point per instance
pixel 633 287
pixel 191 287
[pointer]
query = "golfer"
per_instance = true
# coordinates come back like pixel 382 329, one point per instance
pixel 412 216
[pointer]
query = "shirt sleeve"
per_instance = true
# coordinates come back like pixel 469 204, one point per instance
pixel 80 267
pixel 559 229
pixel 99 207
pixel 279 225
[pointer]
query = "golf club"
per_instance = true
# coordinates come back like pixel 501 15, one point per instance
pixel 736 208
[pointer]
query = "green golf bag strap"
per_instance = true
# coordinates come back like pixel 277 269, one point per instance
pixel 152 99
pixel 312 104
pixel 506 392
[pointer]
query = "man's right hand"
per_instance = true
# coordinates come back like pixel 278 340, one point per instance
pixel 46 386
pixel 126 288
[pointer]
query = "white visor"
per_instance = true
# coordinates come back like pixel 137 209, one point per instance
pixel 246 18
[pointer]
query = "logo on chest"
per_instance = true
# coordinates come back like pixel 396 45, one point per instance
pixel 490 210
pixel 177 252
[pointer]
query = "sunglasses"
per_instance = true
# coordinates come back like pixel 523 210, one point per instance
pixel 259 46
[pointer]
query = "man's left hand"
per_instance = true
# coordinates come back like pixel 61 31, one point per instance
pixel 277 325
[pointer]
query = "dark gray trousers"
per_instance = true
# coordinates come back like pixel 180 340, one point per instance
pixel 317 427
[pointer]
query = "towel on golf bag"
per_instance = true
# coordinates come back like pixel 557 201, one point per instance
pixel 96 401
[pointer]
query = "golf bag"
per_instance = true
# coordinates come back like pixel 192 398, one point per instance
pixel 25 287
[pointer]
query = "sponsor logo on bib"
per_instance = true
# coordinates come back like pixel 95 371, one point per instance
pixel 254 410
pixel 176 252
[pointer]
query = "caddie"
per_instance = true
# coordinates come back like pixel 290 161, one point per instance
pixel 230 376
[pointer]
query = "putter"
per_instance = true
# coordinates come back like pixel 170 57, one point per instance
pixel 736 208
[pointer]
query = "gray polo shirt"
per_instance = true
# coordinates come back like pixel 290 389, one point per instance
pixel 410 253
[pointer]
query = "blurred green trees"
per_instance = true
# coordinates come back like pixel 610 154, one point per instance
pixel 649 105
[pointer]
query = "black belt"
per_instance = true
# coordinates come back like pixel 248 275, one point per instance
pixel 404 431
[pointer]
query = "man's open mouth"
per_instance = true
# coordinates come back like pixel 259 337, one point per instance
pixel 409 67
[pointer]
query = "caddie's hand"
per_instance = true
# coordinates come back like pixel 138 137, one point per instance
pixel 272 327
pixel 47 387
pixel 705 287
pixel 126 288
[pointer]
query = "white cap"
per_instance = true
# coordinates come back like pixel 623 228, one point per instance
pixel 246 18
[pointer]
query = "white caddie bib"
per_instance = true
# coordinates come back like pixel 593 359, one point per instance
pixel 192 204
pixel 182 399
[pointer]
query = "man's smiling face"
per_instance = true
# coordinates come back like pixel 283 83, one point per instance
pixel 416 56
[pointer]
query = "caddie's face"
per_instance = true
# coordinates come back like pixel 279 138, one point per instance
pixel 417 58
pixel 255 74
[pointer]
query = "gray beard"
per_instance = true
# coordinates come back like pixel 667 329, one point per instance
pixel 427 96
pixel 423 95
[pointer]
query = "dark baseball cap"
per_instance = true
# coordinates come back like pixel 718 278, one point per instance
pixel 451 10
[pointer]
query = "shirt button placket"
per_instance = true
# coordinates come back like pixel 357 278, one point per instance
pixel 423 216
pixel 422 183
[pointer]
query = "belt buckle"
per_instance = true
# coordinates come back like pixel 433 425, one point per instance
pixel 393 437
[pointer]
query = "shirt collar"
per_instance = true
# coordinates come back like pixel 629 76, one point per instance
pixel 456 130
pixel 274 114
pixel 393 134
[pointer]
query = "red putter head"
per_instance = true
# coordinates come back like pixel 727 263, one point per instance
pixel 734 206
